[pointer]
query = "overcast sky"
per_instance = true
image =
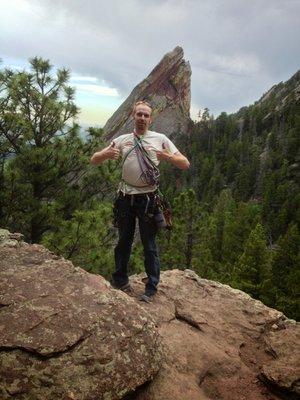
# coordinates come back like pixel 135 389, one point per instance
pixel 237 49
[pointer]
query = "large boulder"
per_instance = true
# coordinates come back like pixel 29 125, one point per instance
pixel 168 89
pixel 65 333
pixel 219 343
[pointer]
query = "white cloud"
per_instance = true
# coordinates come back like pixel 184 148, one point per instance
pixel 96 89
pixel 237 50
pixel 239 64
pixel 79 78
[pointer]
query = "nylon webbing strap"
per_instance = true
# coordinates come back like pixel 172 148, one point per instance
pixel 150 172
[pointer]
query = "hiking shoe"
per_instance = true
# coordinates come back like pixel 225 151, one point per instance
pixel 125 288
pixel 147 297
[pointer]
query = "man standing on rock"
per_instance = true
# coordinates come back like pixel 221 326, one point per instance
pixel 141 151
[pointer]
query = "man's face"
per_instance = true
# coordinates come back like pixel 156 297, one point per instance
pixel 142 117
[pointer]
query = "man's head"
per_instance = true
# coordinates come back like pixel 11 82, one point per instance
pixel 142 116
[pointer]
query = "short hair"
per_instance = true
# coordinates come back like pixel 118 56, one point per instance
pixel 142 102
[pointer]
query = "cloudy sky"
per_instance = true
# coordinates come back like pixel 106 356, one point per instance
pixel 237 49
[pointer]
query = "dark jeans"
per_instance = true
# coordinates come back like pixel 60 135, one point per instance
pixel 127 209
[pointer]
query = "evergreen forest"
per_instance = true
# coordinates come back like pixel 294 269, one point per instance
pixel 236 210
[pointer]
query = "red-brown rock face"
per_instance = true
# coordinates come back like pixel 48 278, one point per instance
pixel 168 89
pixel 219 343
pixel 66 334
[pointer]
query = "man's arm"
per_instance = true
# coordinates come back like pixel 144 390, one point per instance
pixel 108 153
pixel 179 160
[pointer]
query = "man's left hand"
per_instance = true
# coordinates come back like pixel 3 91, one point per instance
pixel 165 154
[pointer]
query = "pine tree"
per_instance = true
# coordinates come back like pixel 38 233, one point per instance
pixel 224 209
pixel 253 269
pixel 36 108
pixel 87 239
pixel 46 174
pixel 179 251
pixel 286 272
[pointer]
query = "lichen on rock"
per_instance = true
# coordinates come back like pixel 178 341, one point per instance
pixel 65 332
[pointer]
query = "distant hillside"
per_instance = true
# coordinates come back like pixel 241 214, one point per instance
pixel 239 203
pixel 279 96
pixel 254 152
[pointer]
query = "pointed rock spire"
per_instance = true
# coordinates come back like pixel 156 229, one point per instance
pixel 168 89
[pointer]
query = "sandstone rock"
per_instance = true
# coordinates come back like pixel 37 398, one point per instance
pixel 10 239
pixel 284 345
pixel 219 343
pixel 66 334
pixel 167 88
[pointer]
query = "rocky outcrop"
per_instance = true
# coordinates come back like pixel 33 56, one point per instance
pixel 282 94
pixel 219 343
pixel 168 90
pixel 65 333
pixel 269 120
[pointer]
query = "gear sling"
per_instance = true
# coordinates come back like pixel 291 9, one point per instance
pixel 150 176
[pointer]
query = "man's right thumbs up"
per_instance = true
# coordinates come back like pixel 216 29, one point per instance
pixel 113 152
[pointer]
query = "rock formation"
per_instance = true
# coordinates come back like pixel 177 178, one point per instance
pixel 219 343
pixel 276 104
pixel 282 94
pixel 168 90
pixel 66 334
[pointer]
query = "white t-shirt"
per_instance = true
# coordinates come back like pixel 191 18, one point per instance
pixel 131 172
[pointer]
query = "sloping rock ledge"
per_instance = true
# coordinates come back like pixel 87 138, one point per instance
pixel 220 344
pixel 65 333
